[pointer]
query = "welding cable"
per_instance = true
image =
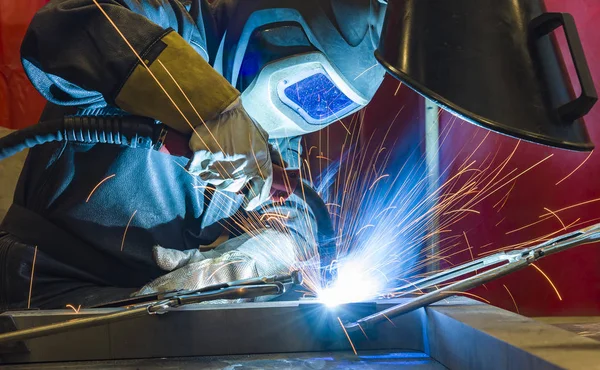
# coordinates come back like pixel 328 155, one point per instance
pixel 130 131
pixel 325 232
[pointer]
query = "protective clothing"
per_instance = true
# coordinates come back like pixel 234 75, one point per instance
pixel 231 152
pixel 302 65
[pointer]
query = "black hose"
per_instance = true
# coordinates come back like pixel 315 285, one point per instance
pixel 131 131
pixel 326 236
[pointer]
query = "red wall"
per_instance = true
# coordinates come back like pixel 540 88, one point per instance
pixel 20 103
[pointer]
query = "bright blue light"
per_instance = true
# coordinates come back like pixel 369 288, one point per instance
pixel 318 99
pixel 356 282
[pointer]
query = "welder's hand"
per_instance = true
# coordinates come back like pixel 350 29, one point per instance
pixel 231 152
pixel 265 253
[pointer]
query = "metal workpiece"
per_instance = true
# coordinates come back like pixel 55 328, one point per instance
pixel 61 327
pixel 213 330
pixel 241 289
pixel 459 333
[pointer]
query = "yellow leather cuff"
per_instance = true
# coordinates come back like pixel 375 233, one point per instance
pixel 187 78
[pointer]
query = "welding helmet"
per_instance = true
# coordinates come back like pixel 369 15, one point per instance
pixel 302 64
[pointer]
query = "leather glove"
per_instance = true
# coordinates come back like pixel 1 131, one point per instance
pixel 232 153
pixel 267 253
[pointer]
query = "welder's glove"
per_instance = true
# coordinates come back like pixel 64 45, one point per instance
pixel 232 153
pixel 269 252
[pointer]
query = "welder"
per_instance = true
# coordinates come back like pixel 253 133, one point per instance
pixel 241 81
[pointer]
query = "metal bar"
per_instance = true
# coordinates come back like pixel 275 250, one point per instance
pixel 236 292
pixel 455 272
pixel 435 296
pixel 516 260
pixel 61 327
pixel 432 157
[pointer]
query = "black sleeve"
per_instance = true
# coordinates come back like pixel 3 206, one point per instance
pixel 73 53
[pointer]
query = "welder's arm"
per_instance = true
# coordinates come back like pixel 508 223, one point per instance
pixel 286 242
pixel 76 46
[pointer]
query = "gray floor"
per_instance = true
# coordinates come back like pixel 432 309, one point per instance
pixel 321 361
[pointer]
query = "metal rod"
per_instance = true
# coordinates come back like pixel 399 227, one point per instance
pixel 234 292
pixel 432 156
pixel 436 296
pixel 516 260
pixel 61 327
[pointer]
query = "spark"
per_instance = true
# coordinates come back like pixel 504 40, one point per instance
pixel 31 277
pixel 364 228
pixel 388 319
pixel 469 246
pixel 76 310
pixel 505 199
pixel 501 221
pixel 558 218
pixel 347 336
pixel 344 126
pixel 573 206
pixel 398 89
pixel 511 297
pixel 127 228
pixel 467 294
pixel 526 226
pixel 550 281
pixel 578 167
pixel 272 216
pixel 378 179
pixel 363 331
pixel 222 267
pixel 366 70
pixel 98 185
pixel 461 210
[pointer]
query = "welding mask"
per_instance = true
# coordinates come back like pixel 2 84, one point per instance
pixel 302 65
